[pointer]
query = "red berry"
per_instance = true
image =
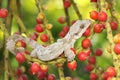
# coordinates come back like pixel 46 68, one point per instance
pixel 39 28
pixel 93 0
pixel 44 38
pixel 82 56
pixel 68 78
pixel 92 59
pixel 30 72
pixel 20 43
pixel 94 15
pixel 89 67
pixel 3 13
pixel 105 76
pixel 67 3
pixel 41 75
pixel 39 21
pixel 109 78
pixel 23 77
pixel 88 52
pixel 117 48
pixel 27 52
pixel 65 29
pixel 72 65
pixel 44 68
pixel 73 22
pixel 113 25
pixel 20 57
pixel 98 28
pixel 87 32
pixel 35 68
pixel 99 52
pixel 16 33
pixel 51 77
pixel 62 34
pixel 19 72
pixel 102 16
pixel 93 76
pixel 111 71
pixel 34 36
pixel 62 19
pixel 86 43
pixel 76 78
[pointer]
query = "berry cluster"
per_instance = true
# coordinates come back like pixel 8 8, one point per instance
pixel 84 52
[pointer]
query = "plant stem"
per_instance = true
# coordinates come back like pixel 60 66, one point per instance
pixel 114 14
pixel 1 3
pixel 113 11
pixel 76 9
pixel 6 55
pixel 115 59
pixel 21 24
pixel 12 75
pixel 16 15
pixel 19 12
pixel 111 42
pixel 10 16
pixel 67 15
pixel 61 73
pixel 40 9
pixel 58 60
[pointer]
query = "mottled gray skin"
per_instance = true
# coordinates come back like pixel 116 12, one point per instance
pixel 56 49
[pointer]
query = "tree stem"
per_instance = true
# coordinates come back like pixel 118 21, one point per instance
pixel 40 9
pixel 67 15
pixel 76 9
pixel 61 73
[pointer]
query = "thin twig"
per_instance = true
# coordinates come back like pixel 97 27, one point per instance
pixel 115 59
pixel 6 54
pixel 76 9
pixel 21 24
pixel 67 15
pixel 114 14
pixel 111 42
pixel 40 9
pixel 19 13
pixel 10 16
pixel 1 3
pixel 61 73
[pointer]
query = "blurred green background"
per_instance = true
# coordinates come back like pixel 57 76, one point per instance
pixel 53 12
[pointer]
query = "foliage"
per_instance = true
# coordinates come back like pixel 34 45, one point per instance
pixel 22 18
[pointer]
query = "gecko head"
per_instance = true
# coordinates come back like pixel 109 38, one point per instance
pixel 79 27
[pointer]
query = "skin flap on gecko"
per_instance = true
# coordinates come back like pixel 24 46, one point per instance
pixel 54 50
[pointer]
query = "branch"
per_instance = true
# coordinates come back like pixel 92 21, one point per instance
pixel 1 3
pixel 40 9
pixel 115 15
pixel 115 59
pixel 76 9
pixel 67 15
pixel 19 12
pixel 61 73
pixel 10 16
pixel 21 24
pixel 6 54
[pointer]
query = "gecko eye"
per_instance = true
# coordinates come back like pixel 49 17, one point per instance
pixel 82 26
